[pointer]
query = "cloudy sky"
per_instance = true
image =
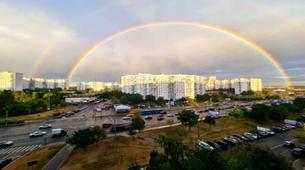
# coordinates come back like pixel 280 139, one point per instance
pixel 44 38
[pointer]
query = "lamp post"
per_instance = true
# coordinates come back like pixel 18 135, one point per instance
pixel 6 117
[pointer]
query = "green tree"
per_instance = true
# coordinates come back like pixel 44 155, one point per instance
pixel 236 112
pixel 278 113
pixel 138 123
pixel 254 157
pixel 299 102
pixel 160 101
pixel 247 93
pixel 82 138
pixel 202 98
pixel 259 112
pixel 150 98
pixel 135 98
pixel 124 100
pixel 99 133
pixel 188 118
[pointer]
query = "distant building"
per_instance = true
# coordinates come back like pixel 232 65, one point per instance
pixel 39 83
pixel 167 86
pixel 96 85
pixel 243 85
pixel 11 81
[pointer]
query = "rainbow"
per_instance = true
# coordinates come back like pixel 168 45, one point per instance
pixel 44 56
pixel 229 33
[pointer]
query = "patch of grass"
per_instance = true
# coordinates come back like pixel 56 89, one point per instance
pixel 43 156
pixel 111 153
pixel 224 127
pixel 39 116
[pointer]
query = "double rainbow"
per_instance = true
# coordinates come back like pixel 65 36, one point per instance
pixel 219 29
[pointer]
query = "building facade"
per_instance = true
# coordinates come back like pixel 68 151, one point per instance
pixel 243 85
pixel 96 85
pixel 11 81
pixel 167 86
pixel 39 83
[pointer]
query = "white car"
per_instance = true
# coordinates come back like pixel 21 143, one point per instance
pixel 37 133
pixel 204 145
pixel 127 118
pixel 45 126
pixel 170 115
pixel 4 144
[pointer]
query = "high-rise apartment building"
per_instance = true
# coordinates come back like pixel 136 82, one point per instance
pixel 167 86
pixel 33 83
pixel 96 85
pixel 11 81
pixel 243 85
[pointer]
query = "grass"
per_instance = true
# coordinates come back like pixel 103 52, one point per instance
pixel 224 127
pixel 111 153
pixel 43 156
pixel 39 116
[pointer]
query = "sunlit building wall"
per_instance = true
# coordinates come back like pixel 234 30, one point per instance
pixel 166 86
pixel 11 81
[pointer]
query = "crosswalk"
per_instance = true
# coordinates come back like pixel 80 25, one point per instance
pixel 18 149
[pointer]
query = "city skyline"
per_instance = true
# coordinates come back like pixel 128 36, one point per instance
pixel 51 42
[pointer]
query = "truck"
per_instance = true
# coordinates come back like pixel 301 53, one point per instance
pixel 151 112
pixel 298 124
pixel 58 133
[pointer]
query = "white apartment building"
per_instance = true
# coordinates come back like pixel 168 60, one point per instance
pixel 95 85
pixel 166 86
pixel 11 81
pixel 243 85
pixel 33 83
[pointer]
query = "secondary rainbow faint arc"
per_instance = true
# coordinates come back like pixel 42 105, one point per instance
pixel 232 34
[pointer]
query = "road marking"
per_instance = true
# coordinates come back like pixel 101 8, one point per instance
pixel 277 146
pixel 19 149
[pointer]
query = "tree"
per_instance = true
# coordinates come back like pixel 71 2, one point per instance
pixel 259 112
pixel 150 98
pixel 99 133
pixel 82 138
pixel 278 113
pixel 138 123
pixel 160 101
pixel 252 157
pixel 124 100
pixel 135 98
pixel 202 98
pixel 209 120
pixel 188 118
pixel 299 102
pixel 236 112
pixel 247 93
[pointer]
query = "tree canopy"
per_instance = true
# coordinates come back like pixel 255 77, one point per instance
pixel 188 118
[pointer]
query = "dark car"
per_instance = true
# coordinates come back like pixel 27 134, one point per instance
pixel 241 137
pixel 164 113
pixel 277 129
pixel 222 144
pixel 106 125
pixel 160 117
pixel 213 144
pixel 148 117
pixel 4 144
pixel 298 152
pixel 289 144
pixel 230 140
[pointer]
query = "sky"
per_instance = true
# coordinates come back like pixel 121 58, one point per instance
pixel 45 38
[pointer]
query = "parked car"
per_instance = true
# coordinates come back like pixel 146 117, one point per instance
pixel 223 144
pixel 148 117
pixel 37 134
pixel 231 141
pixel 4 144
pixel 289 144
pixel 170 115
pixel 106 125
pixel 45 126
pixel 277 129
pixel 298 152
pixel 214 144
pixel 241 137
pixel 237 139
pixel 126 118
pixel 250 136
pixel 160 117
pixel 204 145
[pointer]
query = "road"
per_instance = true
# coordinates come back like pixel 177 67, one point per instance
pixel 85 118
